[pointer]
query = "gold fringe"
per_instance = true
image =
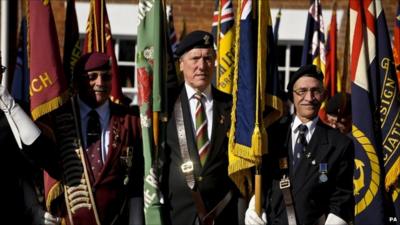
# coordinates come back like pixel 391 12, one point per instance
pixel 392 175
pixel 49 106
pixel 54 192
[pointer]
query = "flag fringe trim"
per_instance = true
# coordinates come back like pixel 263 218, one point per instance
pixel 392 175
pixel 55 191
pixel 49 106
pixel 243 180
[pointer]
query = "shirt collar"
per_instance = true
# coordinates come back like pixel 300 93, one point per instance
pixel 191 91
pixel 310 124
pixel 101 110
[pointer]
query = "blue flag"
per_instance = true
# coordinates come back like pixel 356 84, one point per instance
pixel 20 82
pixel 375 110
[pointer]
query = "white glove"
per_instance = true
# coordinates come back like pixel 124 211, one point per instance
pixel 251 217
pixel 50 219
pixel 22 126
pixel 6 100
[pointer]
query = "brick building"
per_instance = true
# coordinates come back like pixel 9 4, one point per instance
pixel 190 15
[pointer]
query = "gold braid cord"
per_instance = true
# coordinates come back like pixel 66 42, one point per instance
pixel 77 186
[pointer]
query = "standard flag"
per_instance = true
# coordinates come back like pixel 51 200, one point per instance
pixel 223 32
pixel 314 40
pixel 20 83
pixel 48 87
pixel 171 31
pixel 389 105
pixel 99 39
pixel 396 42
pixel 368 72
pixel 331 81
pixel 153 54
pixel 247 138
pixel 72 48
pixel 274 88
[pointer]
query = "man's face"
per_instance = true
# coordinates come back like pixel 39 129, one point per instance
pixel 95 87
pixel 197 67
pixel 308 94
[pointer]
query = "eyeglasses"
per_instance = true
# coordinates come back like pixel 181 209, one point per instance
pixel 3 69
pixel 314 91
pixel 106 76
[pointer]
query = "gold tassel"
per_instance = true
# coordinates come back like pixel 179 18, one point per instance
pixel 256 141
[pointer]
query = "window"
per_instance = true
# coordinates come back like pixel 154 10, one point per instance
pixel 289 60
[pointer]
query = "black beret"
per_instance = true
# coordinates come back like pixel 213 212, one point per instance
pixel 340 103
pixel 306 70
pixel 92 61
pixel 196 39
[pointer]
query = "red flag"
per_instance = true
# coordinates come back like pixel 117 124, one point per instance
pixel 99 39
pixel 330 79
pixel 48 87
pixel 396 42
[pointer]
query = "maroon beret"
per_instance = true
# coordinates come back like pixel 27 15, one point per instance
pixel 92 61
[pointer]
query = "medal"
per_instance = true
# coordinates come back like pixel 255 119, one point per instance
pixel 323 170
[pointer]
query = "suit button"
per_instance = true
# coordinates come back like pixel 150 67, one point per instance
pixel 200 178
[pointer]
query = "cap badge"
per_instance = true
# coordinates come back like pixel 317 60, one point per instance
pixel 206 39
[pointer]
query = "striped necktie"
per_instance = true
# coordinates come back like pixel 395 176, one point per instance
pixel 202 141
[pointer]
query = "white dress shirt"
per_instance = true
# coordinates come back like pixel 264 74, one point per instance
pixel 208 104
pixel 295 129
pixel 104 116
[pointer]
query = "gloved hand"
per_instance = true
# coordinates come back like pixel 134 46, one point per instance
pixel 251 217
pixel 22 126
pixel 50 219
pixel 6 100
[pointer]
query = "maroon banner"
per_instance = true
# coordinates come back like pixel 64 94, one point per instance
pixel 47 86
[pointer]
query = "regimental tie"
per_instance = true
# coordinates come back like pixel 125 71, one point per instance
pixel 202 140
pixel 300 145
pixel 93 140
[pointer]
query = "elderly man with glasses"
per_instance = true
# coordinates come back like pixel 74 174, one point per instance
pixel 309 169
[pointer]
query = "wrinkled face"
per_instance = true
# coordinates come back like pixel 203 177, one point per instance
pixel 308 94
pixel 197 67
pixel 95 87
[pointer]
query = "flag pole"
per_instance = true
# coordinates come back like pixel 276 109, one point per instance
pixel 5 30
pixel 259 131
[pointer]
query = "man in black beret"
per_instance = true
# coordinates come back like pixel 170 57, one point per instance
pixel 309 169
pixel 196 185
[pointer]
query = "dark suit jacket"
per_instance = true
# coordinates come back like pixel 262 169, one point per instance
pixel 19 176
pixel 213 181
pixel 312 198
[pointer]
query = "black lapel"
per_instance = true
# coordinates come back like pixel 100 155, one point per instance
pixel 221 122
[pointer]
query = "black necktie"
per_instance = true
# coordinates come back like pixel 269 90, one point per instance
pixel 93 128
pixel 300 144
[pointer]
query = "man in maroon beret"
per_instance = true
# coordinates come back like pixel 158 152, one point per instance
pixel 103 183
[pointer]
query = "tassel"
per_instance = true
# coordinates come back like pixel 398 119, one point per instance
pixel 256 142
